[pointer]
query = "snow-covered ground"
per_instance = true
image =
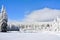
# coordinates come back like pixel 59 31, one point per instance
pixel 30 36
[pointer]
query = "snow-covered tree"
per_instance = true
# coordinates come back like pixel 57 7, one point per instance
pixel 3 20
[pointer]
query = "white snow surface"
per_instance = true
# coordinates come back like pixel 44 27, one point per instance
pixel 30 36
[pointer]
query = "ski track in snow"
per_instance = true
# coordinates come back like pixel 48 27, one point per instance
pixel 29 36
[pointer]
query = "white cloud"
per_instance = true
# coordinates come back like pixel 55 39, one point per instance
pixel 42 15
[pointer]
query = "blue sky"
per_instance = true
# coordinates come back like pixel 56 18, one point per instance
pixel 17 9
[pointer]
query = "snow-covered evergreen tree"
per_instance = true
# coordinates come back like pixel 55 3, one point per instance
pixel 3 20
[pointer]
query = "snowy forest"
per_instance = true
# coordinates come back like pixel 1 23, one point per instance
pixel 27 26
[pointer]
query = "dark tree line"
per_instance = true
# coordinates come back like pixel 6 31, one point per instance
pixel 12 28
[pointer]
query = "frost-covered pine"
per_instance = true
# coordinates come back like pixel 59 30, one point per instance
pixel 3 20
